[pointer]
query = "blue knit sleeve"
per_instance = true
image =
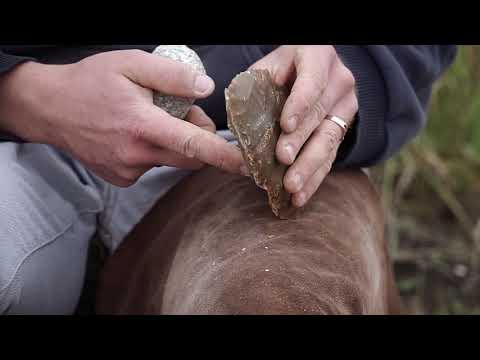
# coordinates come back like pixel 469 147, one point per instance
pixel 394 84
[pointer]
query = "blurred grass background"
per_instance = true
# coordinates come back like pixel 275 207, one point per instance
pixel 431 192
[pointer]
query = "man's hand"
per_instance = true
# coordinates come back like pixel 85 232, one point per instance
pixel 101 111
pixel 320 85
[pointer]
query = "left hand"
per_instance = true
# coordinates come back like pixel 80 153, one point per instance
pixel 321 85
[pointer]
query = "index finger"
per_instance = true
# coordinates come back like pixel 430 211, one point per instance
pixel 312 66
pixel 187 139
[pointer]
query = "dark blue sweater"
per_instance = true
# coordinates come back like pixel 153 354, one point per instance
pixel 394 84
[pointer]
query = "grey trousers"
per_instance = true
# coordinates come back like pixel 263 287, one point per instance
pixel 50 208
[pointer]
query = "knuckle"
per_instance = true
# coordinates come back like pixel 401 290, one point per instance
pixel 332 139
pixel 221 160
pixel 319 111
pixel 179 76
pixel 308 168
pixel 299 54
pixel 190 146
pixel 329 51
pixel 171 78
pixel 126 58
pixel 347 77
pixel 300 137
pixel 166 79
pixel 303 102
pixel 318 81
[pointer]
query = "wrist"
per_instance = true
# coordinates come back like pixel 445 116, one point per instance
pixel 26 99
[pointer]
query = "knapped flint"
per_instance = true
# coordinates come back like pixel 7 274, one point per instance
pixel 254 105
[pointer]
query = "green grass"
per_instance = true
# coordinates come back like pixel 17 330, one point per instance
pixel 431 192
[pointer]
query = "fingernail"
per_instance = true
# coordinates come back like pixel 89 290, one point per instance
pixel 289 151
pixel 203 84
pixel 244 170
pixel 292 122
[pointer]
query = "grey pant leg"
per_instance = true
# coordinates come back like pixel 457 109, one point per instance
pixel 48 207
pixel 51 279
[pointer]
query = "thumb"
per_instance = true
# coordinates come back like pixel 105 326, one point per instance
pixel 166 76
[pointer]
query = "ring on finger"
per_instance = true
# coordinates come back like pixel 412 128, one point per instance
pixel 340 122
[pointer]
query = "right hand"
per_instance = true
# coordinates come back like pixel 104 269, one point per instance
pixel 101 111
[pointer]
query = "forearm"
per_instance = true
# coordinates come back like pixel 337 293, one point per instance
pixel 25 95
pixel 7 63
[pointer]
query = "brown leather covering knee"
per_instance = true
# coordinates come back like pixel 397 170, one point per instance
pixel 213 246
